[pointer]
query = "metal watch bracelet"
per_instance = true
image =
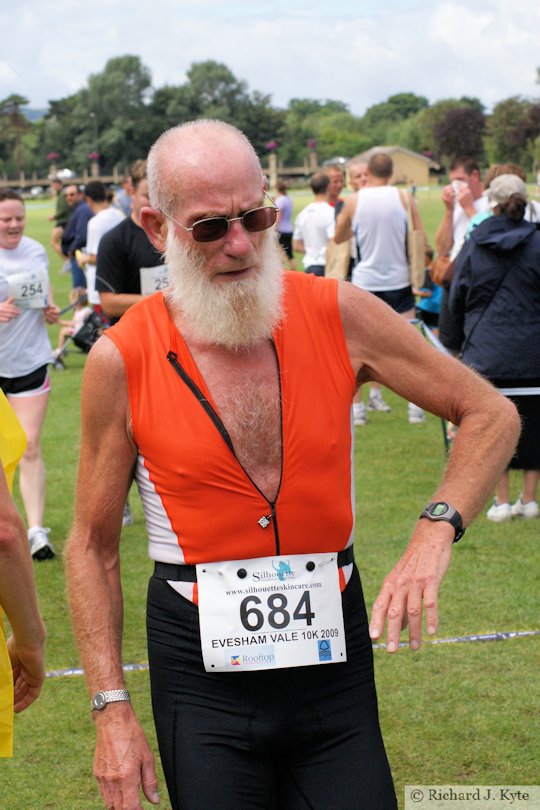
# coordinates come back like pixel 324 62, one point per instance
pixel 101 699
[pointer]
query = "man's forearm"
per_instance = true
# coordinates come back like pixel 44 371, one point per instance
pixel 444 236
pixel 95 596
pixel 481 451
pixel 115 304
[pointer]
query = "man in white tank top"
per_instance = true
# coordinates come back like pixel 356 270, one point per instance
pixel 376 216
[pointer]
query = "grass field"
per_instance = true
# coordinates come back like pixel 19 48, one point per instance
pixel 461 713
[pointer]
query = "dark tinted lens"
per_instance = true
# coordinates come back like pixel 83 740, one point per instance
pixel 208 230
pixel 259 219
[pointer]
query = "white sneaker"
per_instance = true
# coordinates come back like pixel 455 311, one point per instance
pixel 40 547
pixel 525 510
pixel 499 512
pixel 359 413
pixel 376 403
pixel 416 414
pixel 127 517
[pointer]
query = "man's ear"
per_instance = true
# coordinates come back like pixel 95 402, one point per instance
pixel 155 226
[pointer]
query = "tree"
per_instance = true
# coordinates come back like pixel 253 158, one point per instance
pixel 510 131
pixel 310 119
pixel 213 91
pixel 461 132
pixel 108 116
pixel 13 125
pixel 396 108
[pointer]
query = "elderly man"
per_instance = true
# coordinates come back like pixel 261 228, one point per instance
pixel 228 398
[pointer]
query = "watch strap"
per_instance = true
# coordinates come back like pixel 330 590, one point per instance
pixel 110 696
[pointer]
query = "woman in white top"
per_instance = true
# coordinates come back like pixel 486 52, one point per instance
pixel 25 306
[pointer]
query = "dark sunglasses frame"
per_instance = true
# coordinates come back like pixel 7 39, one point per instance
pixel 211 229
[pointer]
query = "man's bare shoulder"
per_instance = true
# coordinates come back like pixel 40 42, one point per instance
pixel 105 354
pixel 104 378
pixel 374 333
pixel 359 308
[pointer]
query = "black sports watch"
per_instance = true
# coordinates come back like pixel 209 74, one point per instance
pixel 440 510
pixel 101 699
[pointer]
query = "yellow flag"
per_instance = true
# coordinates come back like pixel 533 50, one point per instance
pixel 12 446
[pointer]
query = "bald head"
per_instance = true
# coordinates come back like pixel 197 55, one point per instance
pixel 358 174
pixel 199 154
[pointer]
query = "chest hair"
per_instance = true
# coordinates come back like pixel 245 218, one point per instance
pixel 247 396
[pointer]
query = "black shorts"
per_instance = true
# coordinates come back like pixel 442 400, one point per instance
pixel 527 455
pixel 315 269
pixel 429 318
pixel 36 382
pixel 285 240
pixel 400 300
pixel 302 738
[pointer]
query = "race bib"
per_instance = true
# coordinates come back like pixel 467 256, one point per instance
pixel 29 289
pixel 271 612
pixel 154 279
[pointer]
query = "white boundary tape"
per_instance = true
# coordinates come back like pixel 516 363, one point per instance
pixel 502 636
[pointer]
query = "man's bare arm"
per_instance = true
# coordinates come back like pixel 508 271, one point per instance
pixel 123 760
pixel 344 220
pixel 444 235
pixel 115 304
pixel 383 347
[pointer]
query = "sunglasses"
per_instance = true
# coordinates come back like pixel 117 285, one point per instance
pixel 213 228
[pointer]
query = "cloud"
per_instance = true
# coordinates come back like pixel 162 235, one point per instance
pixel 359 53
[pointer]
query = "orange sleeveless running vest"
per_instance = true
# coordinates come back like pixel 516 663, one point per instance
pixel 200 504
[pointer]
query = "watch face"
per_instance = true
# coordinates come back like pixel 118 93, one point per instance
pixel 439 509
pixel 99 701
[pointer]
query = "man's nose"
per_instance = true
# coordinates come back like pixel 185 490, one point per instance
pixel 237 240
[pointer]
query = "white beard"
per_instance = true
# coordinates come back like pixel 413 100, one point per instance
pixel 237 314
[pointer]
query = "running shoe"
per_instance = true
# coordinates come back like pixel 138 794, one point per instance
pixel 359 413
pixel 499 512
pixel 127 517
pixel 40 547
pixel 526 510
pixel 416 415
pixel 376 403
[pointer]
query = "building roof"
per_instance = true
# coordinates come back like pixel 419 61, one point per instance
pixel 390 150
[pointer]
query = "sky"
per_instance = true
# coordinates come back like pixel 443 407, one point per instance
pixel 356 51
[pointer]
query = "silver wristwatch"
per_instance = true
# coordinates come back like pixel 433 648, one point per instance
pixel 100 699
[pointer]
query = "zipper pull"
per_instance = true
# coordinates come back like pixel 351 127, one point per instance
pixel 264 521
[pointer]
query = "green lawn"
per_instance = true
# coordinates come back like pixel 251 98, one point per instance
pixel 452 713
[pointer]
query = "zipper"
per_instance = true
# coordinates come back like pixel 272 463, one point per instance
pixel 265 520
